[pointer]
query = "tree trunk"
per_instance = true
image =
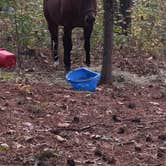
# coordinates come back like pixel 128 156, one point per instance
pixel 106 73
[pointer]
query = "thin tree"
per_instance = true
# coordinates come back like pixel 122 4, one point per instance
pixel 106 73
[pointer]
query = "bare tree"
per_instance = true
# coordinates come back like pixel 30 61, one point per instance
pixel 106 73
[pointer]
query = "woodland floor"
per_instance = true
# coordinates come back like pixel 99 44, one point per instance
pixel 44 122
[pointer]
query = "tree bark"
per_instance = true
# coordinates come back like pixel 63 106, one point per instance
pixel 106 73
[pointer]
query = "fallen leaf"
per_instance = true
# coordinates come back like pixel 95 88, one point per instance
pixel 28 138
pixel 154 103
pixel 60 139
pixel 63 124
pixel 3 108
pixel 138 148
pixel 18 146
pixel 28 125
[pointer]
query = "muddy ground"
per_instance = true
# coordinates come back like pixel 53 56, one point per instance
pixel 44 122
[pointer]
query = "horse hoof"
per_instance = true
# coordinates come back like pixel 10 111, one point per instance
pixel 56 63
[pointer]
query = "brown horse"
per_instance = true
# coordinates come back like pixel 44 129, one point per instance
pixel 70 14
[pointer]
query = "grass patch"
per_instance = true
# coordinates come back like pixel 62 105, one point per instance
pixel 6 75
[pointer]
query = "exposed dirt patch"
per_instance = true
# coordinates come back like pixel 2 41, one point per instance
pixel 141 64
pixel 50 124
pixel 44 122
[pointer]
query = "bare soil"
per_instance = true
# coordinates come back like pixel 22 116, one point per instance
pixel 44 122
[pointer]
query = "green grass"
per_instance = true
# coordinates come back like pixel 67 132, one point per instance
pixel 6 75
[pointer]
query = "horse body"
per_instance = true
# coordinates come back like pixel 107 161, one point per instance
pixel 70 14
pixel 62 13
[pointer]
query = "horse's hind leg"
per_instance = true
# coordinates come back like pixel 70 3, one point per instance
pixel 54 42
pixel 67 44
pixel 87 35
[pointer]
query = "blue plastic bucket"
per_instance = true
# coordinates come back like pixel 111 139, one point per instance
pixel 83 79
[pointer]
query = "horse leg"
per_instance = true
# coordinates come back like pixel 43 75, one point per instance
pixel 87 35
pixel 54 43
pixel 67 44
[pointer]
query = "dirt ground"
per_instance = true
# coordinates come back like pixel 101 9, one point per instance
pixel 44 122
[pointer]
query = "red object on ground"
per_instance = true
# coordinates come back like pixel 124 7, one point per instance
pixel 7 59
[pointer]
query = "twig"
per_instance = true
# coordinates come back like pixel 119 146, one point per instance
pixel 2 97
pixel 85 128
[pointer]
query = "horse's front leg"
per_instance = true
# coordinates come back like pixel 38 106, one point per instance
pixel 54 43
pixel 87 34
pixel 67 44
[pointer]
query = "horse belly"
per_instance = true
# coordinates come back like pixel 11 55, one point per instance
pixel 70 13
pixel 64 13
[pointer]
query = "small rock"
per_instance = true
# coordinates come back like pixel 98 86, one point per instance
pixel 35 108
pixel 63 124
pixel 29 125
pixel 46 154
pixel 98 153
pixel 67 96
pixel 99 89
pixel 120 78
pixel 28 160
pixel 112 160
pixel 131 105
pixel 70 162
pixel 56 131
pixel 18 145
pixel 138 148
pixel 115 118
pixel 108 112
pixel 162 137
pixel 48 115
pixel 121 130
pixel 150 86
pixel 76 119
pixel 2 97
pixel 2 108
pixel 77 141
pixel 150 58
pixel 159 95
pixel 149 138
pixel 120 103
pixel 60 139
pixel 28 138
pixel 6 104
pixel 136 120
pixel 10 132
pixel 30 70
pixel 154 103
pixel 161 152
pixel 96 137
pixel 29 98
pixel 20 101
pixel 107 158
pixel 89 162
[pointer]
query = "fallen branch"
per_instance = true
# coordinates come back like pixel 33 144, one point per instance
pixel 60 129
